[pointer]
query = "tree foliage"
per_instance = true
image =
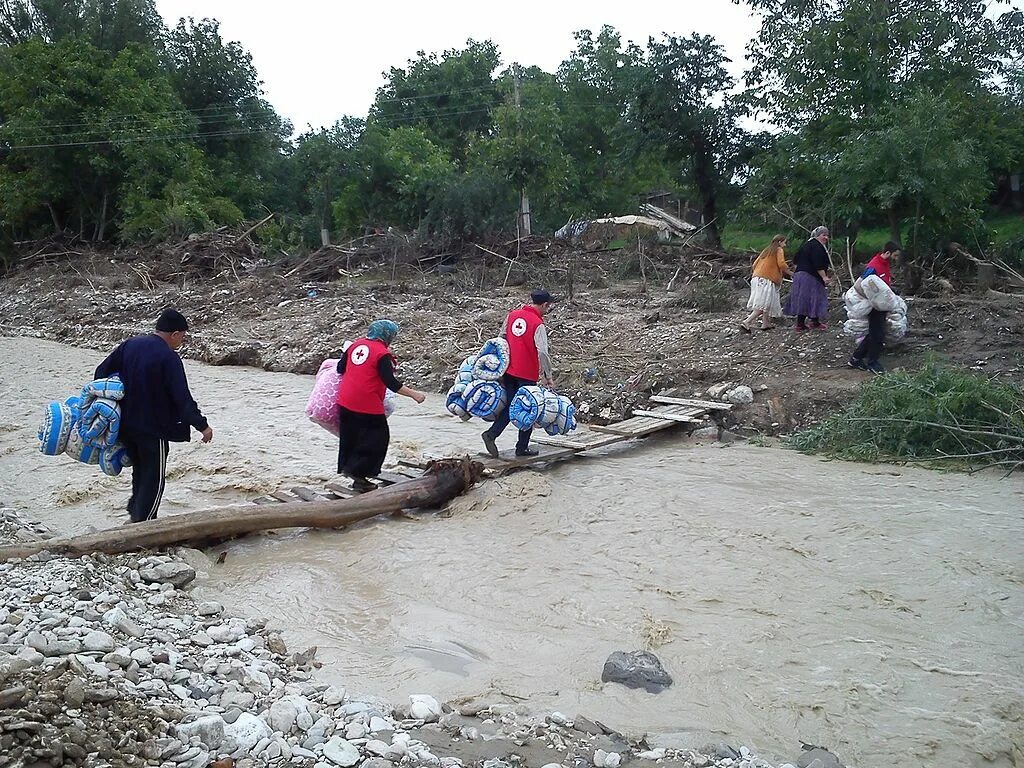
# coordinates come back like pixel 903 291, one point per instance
pixel 449 97
pixel 110 25
pixel 682 102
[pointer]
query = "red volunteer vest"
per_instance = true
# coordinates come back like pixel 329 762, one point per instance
pixel 882 268
pixel 520 328
pixel 362 389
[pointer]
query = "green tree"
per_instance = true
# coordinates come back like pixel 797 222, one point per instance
pixel 328 165
pixel 913 161
pixel 844 59
pixel 607 175
pixel 109 25
pixel 449 97
pixel 236 128
pixel 682 101
pixel 525 147
pixel 94 141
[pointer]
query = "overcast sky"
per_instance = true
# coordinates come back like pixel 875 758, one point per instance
pixel 321 59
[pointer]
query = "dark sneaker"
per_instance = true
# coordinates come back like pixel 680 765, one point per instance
pixel 527 452
pixel 490 445
pixel 860 365
pixel 362 485
pixel 876 369
pixel 799 328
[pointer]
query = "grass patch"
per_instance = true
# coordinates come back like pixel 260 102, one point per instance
pixel 937 415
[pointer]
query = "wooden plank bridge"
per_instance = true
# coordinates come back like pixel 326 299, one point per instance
pixel 664 412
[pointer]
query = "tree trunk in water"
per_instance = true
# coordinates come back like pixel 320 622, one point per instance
pixel 443 482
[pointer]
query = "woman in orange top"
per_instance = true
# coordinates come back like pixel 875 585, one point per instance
pixel 769 268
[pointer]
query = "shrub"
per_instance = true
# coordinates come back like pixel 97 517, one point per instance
pixel 937 414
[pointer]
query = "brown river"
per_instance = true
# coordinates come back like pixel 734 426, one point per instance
pixel 875 610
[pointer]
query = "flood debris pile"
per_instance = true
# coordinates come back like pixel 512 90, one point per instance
pixel 109 661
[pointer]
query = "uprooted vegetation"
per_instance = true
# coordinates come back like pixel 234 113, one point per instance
pixel 938 415
pixel 640 316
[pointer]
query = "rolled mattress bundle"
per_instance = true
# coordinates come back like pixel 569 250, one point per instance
pixel 534 407
pixel 86 427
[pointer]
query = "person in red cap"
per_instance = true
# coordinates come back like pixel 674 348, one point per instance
pixel 157 407
pixel 529 362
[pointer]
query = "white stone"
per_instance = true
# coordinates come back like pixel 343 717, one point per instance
pixel 558 718
pixel 340 752
pixel 355 731
pixel 142 656
pixel 119 620
pixel 378 724
pixel 653 754
pixel 423 707
pixel 284 713
pixel 209 729
pixel 304 721
pixel 225 633
pixel 243 734
pixel 210 608
pixel 741 395
pixel 333 696
pixel 174 573
pixel 98 641
pixel 377 747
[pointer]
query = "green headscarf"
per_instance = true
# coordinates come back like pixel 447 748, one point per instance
pixel 384 331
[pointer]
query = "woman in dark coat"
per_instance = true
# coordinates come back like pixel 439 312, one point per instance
pixel 808 297
pixel 368 371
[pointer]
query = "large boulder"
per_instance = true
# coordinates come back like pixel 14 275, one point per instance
pixel 636 669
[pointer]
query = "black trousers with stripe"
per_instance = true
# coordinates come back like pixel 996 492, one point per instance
pixel 149 464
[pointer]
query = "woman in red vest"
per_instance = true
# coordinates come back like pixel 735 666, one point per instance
pixel 368 371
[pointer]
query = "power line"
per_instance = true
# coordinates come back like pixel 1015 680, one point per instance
pixel 133 139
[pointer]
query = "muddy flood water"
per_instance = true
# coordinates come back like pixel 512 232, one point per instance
pixel 871 609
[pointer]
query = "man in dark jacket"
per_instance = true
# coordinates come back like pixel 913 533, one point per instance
pixel 157 407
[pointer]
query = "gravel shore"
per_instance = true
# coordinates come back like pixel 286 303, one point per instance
pixel 108 661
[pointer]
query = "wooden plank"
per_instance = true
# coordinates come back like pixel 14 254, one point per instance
pixel 414 463
pixel 667 415
pixel 306 494
pixel 343 491
pixel 707 405
pixel 512 461
pixel 390 478
pixel 561 442
pixel 611 429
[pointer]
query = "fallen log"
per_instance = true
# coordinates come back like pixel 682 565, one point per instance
pixel 442 482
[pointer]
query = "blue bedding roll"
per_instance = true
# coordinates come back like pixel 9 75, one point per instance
pixel 485 399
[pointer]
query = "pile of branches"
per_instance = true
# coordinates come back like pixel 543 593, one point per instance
pixel 217 254
pixel 938 415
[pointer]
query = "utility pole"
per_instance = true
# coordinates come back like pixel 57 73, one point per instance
pixel 524 201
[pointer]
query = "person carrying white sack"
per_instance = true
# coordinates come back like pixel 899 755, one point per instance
pixel 883 300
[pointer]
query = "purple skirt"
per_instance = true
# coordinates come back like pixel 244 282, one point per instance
pixel 808 296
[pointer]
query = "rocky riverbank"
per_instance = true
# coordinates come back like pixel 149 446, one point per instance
pixel 108 661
